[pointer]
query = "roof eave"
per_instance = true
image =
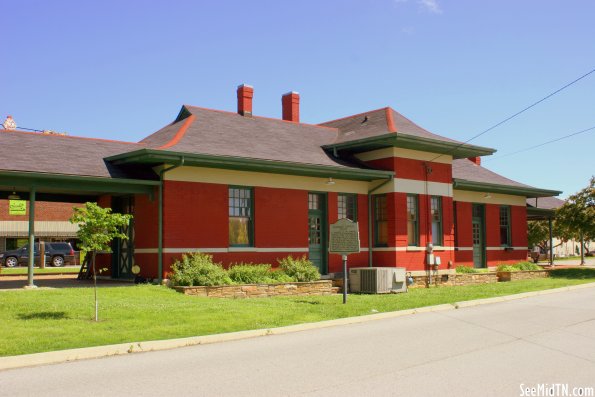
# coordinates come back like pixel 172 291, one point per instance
pixel 536 214
pixel 155 157
pixel 462 184
pixel 77 183
pixel 457 150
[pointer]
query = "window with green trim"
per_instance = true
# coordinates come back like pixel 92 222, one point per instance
pixel 347 206
pixel 412 220
pixel 436 214
pixel 505 239
pixel 380 221
pixel 240 217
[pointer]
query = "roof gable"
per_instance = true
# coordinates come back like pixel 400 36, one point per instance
pixel 213 132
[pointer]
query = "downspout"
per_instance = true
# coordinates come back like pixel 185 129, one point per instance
pixel 370 225
pixel 160 220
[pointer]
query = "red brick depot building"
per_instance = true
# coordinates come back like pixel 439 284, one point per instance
pixel 253 189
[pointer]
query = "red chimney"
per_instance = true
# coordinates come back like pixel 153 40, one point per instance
pixel 291 106
pixel 476 160
pixel 245 94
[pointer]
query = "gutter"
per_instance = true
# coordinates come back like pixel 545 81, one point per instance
pixel 370 237
pixel 528 191
pixel 160 219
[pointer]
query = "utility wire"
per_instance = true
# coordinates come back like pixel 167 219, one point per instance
pixel 29 129
pixel 516 114
pixel 542 144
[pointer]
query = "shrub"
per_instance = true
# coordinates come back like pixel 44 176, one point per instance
pixel 527 266
pixel 506 268
pixel 300 269
pixel 521 266
pixel 250 273
pixel 466 269
pixel 198 269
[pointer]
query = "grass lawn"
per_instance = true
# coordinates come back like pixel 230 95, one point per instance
pixel 48 270
pixel 42 320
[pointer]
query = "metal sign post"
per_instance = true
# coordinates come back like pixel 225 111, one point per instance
pixel 344 279
pixel 344 240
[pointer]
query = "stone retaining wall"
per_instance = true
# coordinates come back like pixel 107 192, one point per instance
pixel 523 275
pixel 454 279
pixel 323 287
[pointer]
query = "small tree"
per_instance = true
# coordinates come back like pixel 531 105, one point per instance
pixel 576 218
pixel 538 233
pixel 97 228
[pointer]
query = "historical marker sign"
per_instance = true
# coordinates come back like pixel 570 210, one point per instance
pixel 17 207
pixel 344 237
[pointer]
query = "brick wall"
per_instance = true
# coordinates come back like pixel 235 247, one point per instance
pixel 44 211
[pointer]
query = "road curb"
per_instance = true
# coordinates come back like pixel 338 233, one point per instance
pixel 61 356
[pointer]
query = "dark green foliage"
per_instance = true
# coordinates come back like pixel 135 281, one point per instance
pixel 300 269
pixel 198 269
pixel 573 273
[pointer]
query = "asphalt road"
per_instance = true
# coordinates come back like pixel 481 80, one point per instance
pixel 488 350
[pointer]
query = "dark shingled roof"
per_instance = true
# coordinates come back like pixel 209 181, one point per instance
pixel 546 203
pixel 469 171
pixel 68 155
pixel 379 122
pixel 220 133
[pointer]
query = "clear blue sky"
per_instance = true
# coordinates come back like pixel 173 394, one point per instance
pixel 122 69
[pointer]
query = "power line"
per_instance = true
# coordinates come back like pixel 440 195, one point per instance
pixel 516 114
pixel 542 144
pixel 29 129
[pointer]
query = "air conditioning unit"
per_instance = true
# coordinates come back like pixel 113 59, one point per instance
pixel 377 280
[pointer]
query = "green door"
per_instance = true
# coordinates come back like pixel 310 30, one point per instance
pixel 317 230
pixel 477 229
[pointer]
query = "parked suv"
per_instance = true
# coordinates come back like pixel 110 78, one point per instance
pixel 58 254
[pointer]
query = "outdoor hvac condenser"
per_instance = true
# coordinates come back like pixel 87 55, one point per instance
pixel 377 280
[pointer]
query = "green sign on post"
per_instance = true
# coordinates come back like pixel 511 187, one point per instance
pixel 17 207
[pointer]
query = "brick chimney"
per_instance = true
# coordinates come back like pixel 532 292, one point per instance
pixel 245 94
pixel 291 106
pixel 476 160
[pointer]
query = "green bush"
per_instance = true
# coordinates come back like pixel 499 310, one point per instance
pixel 198 269
pixel 506 268
pixel 527 266
pixel 521 266
pixel 279 276
pixel 466 269
pixel 248 273
pixel 300 269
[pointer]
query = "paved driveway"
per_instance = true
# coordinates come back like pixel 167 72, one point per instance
pixel 488 350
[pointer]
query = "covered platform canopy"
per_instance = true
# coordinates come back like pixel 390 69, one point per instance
pixel 544 209
pixel 65 169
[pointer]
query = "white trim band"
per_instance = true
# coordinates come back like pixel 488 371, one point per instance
pixel 494 248
pixel 218 250
pixel 410 249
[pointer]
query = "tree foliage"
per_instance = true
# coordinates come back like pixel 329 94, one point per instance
pixel 98 227
pixel 538 233
pixel 576 218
